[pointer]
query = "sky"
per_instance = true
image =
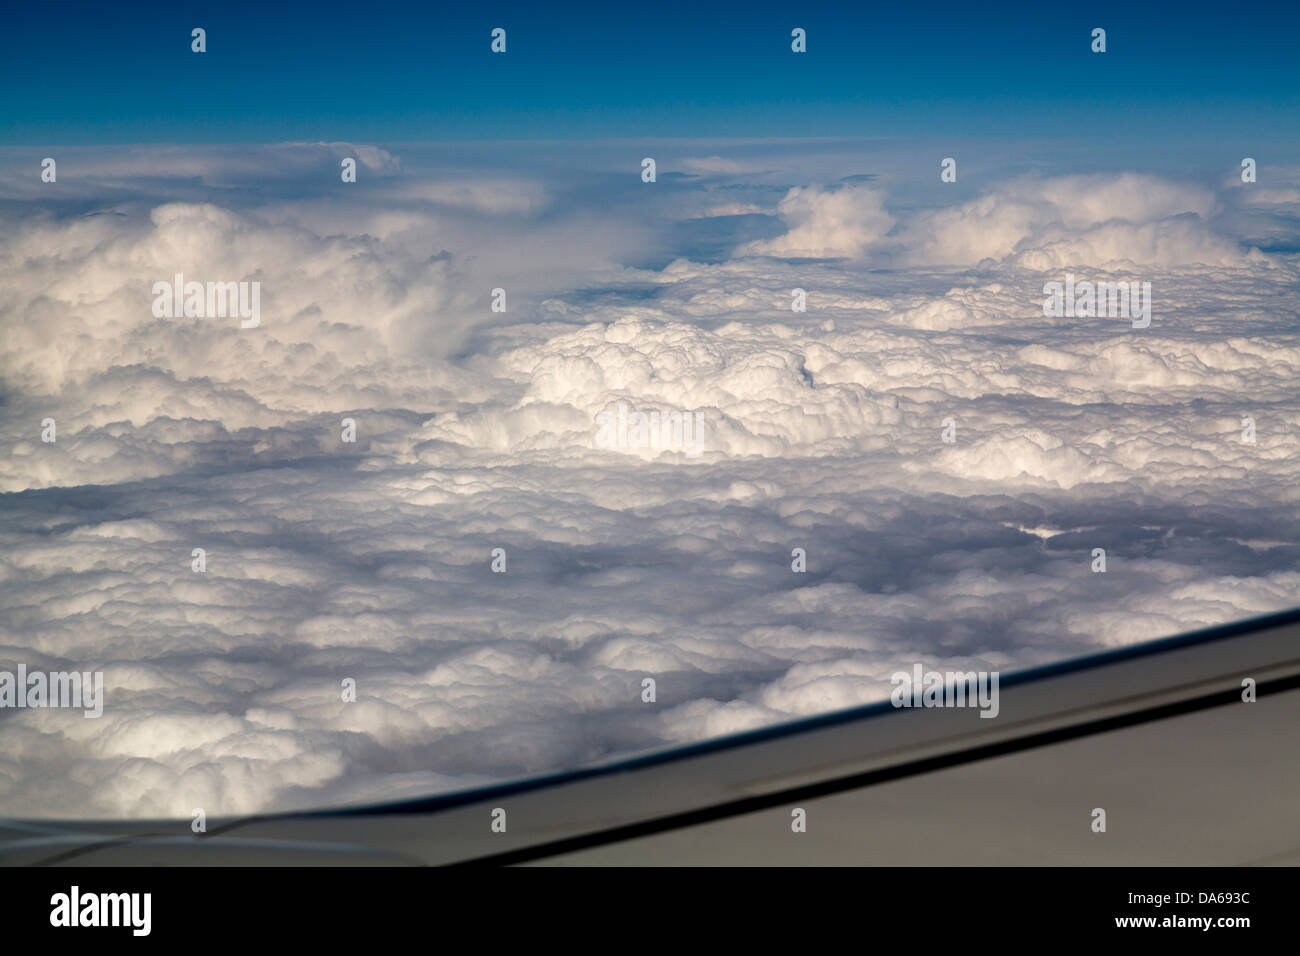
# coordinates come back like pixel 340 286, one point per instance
pixel 823 430
pixel 1188 73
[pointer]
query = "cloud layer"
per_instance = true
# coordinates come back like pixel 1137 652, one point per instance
pixel 476 430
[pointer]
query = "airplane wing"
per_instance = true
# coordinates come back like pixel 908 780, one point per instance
pixel 1163 737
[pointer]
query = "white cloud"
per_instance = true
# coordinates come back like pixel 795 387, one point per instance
pixel 827 223
pixel 1039 223
pixel 477 431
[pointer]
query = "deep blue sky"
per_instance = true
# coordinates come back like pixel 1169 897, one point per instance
pixel 124 73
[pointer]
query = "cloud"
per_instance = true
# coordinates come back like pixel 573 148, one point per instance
pixel 1040 223
pixel 827 223
pixel 1095 220
pixel 498 197
pixel 478 430
pixel 716 165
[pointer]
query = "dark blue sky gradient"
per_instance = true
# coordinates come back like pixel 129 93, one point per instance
pixel 124 73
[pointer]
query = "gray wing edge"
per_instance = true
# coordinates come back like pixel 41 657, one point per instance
pixel 1158 737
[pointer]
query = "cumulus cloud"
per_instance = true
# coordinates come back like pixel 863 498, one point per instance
pixel 478 430
pixel 1040 223
pixel 827 223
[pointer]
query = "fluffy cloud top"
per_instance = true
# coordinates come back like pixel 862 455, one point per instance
pixel 478 430
pixel 827 223
pixel 1038 223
